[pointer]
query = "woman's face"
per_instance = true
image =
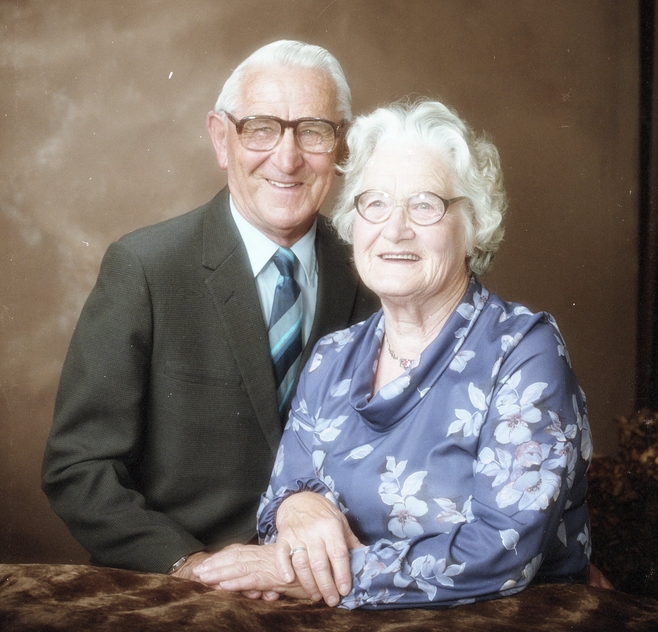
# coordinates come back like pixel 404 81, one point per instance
pixel 399 260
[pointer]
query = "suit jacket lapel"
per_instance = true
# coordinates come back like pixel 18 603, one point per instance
pixel 234 292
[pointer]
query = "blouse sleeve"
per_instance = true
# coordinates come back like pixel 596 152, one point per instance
pixel 528 506
pixel 294 469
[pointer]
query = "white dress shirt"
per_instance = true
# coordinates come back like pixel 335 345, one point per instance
pixel 260 250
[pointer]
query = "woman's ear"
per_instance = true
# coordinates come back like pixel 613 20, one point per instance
pixel 217 128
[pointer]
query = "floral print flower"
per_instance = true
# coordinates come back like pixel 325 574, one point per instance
pixel 467 422
pixel 404 523
pixel 279 461
pixel 509 538
pixel 585 540
pixel 406 508
pixel 360 452
pixel 565 458
pixel 529 454
pixel 427 568
pixel 398 385
pixel 460 360
pixel 339 339
pixel 341 389
pixel 449 515
pixel 555 429
pixel 517 410
pixel 532 567
pixel 532 491
pixel 329 429
pixel 496 464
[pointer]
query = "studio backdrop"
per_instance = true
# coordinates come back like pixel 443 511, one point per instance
pixel 102 130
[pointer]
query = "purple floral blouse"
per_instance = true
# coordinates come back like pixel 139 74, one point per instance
pixel 465 477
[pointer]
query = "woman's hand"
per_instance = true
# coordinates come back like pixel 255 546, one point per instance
pixel 597 579
pixel 249 569
pixel 313 544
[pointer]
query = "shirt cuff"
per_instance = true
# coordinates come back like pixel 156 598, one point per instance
pixel 267 530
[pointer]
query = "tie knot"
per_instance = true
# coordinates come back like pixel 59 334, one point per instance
pixel 284 259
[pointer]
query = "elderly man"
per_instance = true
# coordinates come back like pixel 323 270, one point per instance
pixel 180 371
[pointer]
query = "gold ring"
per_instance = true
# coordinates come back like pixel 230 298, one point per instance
pixel 297 549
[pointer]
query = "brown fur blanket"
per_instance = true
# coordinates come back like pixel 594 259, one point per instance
pixel 48 598
pixel 623 507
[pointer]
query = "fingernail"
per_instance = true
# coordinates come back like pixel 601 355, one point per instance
pixel 344 589
pixel 287 578
pixel 332 601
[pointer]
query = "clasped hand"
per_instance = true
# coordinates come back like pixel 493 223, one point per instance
pixel 320 538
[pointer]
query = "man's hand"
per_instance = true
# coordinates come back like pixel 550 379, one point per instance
pixel 313 544
pixel 597 579
pixel 185 571
pixel 249 569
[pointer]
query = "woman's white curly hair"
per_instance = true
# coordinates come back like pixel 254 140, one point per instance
pixel 473 160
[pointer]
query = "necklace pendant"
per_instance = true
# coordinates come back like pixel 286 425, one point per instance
pixel 405 363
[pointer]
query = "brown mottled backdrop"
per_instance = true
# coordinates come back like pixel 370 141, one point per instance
pixel 102 130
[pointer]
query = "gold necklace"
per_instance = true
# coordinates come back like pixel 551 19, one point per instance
pixel 405 363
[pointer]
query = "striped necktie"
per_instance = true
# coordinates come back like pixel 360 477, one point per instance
pixel 285 330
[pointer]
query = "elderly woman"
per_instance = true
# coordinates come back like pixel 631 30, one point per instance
pixel 449 429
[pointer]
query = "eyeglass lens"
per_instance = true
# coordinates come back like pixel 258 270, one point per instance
pixel 263 134
pixel 423 208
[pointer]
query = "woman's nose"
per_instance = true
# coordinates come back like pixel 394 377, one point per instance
pixel 398 225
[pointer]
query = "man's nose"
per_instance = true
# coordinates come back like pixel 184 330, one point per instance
pixel 287 155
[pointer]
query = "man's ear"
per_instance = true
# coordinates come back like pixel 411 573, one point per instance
pixel 218 131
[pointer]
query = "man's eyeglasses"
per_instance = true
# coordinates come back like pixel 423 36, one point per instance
pixel 424 208
pixel 263 133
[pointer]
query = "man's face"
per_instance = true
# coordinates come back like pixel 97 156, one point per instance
pixel 278 191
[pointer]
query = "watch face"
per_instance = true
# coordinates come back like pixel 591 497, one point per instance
pixel 176 565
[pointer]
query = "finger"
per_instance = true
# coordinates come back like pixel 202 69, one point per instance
pixel 231 562
pixel 332 573
pixel 225 573
pixel 606 584
pixel 341 574
pixel 322 568
pixel 317 570
pixel 252 594
pixel 282 560
pixel 597 579
pixel 225 557
pixel 302 566
pixel 270 595
pixel 247 584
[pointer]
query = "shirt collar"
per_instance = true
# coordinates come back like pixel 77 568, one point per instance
pixel 261 248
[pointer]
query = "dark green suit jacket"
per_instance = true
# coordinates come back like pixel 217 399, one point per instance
pixel 166 422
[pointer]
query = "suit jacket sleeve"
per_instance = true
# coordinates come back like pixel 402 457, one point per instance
pixel 166 420
pixel 91 461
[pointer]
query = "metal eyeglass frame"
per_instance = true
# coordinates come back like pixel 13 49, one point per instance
pixel 446 204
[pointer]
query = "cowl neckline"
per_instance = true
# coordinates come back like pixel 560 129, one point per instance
pixel 397 399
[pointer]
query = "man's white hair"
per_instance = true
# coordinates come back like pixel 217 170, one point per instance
pixel 291 54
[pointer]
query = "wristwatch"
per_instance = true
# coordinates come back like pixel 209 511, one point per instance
pixel 176 565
